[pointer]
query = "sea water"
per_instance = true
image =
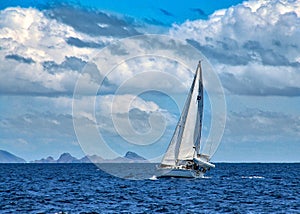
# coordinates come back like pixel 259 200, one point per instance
pixel 84 188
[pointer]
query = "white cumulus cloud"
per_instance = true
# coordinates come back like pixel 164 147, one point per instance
pixel 256 41
pixel 38 54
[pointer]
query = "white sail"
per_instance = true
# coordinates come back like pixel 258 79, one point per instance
pixel 190 140
pixel 170 156
pixel 185 143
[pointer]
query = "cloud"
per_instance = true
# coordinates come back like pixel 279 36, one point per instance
pixel 161 74
pixel 19 58
pixel 220 55
pixel 165 12
pixel 28 33
pixel 48 55
pixel 261 35
pixel 199 11
pixel 112 110
pixel 51 52
pixel 83 44
pixel 256 41
pixel 255 125
pixel 260 80
pixel 48 79
pixel 131 118
pixel 116 49
pixel 250 85
pixel 153 21
pixel 34 133
pixel 70 63
pixel 94 23
pixel 37 125
pixel 28 36
pixel 51 49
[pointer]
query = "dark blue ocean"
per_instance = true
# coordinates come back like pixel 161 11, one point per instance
pixel 83 188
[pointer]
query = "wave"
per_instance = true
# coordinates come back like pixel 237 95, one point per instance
pixel 253 177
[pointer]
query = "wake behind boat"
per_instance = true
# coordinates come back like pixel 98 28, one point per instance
pixel 183 157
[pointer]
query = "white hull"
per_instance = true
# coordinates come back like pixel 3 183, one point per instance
pixel 179 173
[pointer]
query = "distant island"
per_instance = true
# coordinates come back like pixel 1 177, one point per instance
pixel 6 157
pixel 129 157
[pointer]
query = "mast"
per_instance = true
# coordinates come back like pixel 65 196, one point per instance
pixel 200 99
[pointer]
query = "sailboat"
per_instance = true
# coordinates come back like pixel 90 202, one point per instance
pixel 183 157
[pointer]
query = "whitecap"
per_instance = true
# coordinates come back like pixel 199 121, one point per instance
pixel 153 178
pixel 253 177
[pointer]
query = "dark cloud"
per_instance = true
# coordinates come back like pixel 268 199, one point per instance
pixel 253 83
pixel 268 56
pixel 276 43
pixel 82 44
pixel 227 44
pixel 52 86
pixel 219 54
pixel 229 52
pixel 19 58
pixel 252 45
pixel 33 89
pixel 73 63
pixel 199 11
pixel 96 77
pixel 70 63
pixel 20 86
pixel 153 21
pixel 49 85
pixel 250 85
pixel 165 12
pixel 94 23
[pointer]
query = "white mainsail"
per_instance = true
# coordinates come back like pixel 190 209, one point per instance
pixel 185 143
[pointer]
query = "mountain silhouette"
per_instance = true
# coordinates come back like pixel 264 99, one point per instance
pixel 6 157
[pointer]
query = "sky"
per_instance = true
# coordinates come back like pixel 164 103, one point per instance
pixel 54 92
